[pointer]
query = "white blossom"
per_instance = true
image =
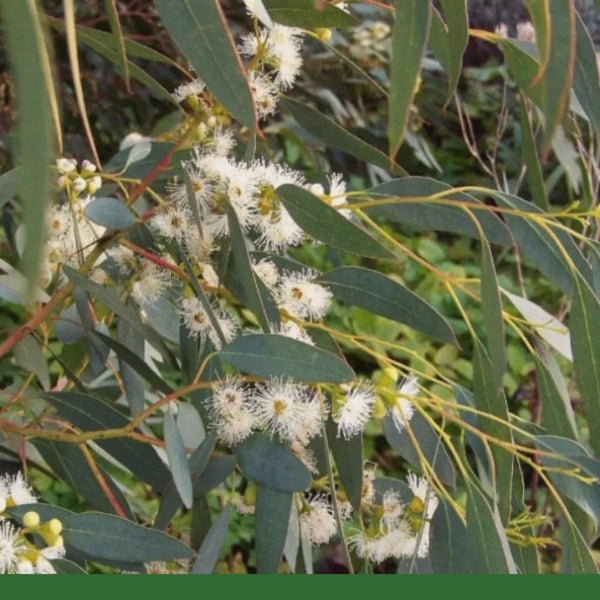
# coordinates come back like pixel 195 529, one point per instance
pixel 317 520
pixel 355 409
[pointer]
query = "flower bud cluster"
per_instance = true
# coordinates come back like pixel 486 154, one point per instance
pixel 18 552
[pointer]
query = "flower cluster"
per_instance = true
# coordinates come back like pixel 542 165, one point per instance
pixel 18 554
pixel 70 234
pixel 395 530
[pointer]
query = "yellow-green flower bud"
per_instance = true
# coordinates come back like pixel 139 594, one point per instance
pixel 323 33
pixel 31 519
pixel 379 410
pixel 389 378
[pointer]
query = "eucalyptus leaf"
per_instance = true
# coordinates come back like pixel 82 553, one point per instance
pixel 271 464
pixel 211 546
pixel 178 460
pixel 272 355
pixel 383 296
pixel 101 536
pixel 272 516
pixel 200 30
pixel 327 225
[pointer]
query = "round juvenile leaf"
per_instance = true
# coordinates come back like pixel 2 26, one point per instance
pixel 103 536
pixel 269 463
pixel 272 355
pixel 110 213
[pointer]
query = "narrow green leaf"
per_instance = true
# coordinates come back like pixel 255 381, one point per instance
pixel 102 536
pixel 570 455
pixel 110 213
pixel 490 399
pixel 132 48
pixel 550 329
pixel 430 445
pixel 200 30
pixel 8 186
pixel 327 225
pixel 132 343
pixel 535 178
pixel 133 361
pixel 584 323
pixel 271 464
pixel 557 54
pixel 523 66
pixel 348 456
pixel 217 470
pixel 576 557
pixel 489 548
pixel 108 297
pixel 200 522
pixel 255 295
pixel 336 137
pixel 271 523
pixel 68 462
pixel 586 81
pixel 138 161
pixel 449 37
pixel 385 297
pixel 540 247
pixel 436 217
pixel 308 14
pixel 170 500
pixel 491 306
pixel 118 40
pixel 211 546
pixel 94 414
pixel 62 566
pixel 178 460
pixel 24 39
pixel 101 42
pixel 450 552
pixel 29 356
pixel 409 41
pixel 557 416
pixel 271 355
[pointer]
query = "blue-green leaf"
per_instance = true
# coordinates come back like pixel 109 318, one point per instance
pixel 24 39
pixel 490 399
pixel 586 81
pixel 409 41
pixel 335 137
pixel 307 14
pixel 584 324
pixel 68 462
pixel 110 213
pixel 201 32
pixel 327 225
pixel 489 546
pixel 348 456
pixel 436 217
pixel 100 536
pixel 178 460
pixel 448 38
pixel 254 292
pixel 430 445
pixel 271 464
pixel 271 522
pixel 94 414
pixel 211 546
pixel 272 355
pixel 383 296
pixel 491 306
